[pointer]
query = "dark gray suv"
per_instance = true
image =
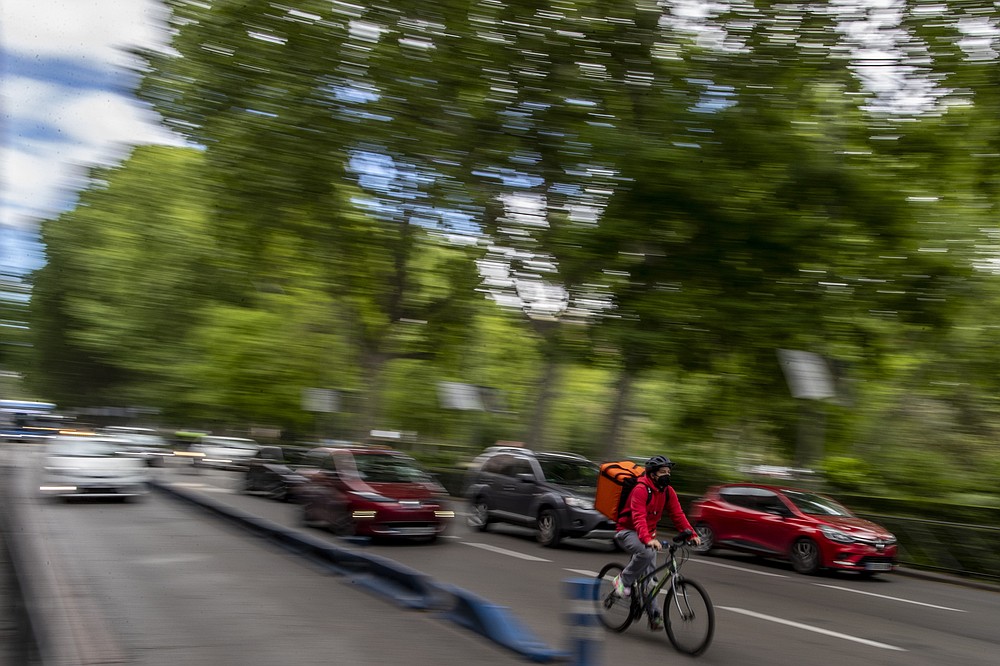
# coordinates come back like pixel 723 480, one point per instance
pixel 553 492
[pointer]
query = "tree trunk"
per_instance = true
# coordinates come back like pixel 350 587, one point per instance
pixel 373 366
pixel 546 391
pixel 623 394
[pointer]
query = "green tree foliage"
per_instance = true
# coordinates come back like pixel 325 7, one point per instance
pixel 113 304
pixel 290 105
pixel 661 197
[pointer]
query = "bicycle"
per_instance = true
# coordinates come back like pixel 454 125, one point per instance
pixel 688 614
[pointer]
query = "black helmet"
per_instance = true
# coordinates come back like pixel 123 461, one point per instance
pixel 656 462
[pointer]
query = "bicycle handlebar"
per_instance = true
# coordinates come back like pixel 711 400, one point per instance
pixel 681 538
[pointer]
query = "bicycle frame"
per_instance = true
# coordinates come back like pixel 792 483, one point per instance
pixel 688 614
pixel 672 567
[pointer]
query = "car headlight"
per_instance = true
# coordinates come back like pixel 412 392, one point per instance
pixel 836 535
pixel 371 497
pixel 578 503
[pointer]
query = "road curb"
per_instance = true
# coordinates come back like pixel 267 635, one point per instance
pixel 389 579
pixel 935 576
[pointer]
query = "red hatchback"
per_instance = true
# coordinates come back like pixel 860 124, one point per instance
pixel 811 530
pixel 372 491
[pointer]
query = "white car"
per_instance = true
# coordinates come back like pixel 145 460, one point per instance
pixel 79 466
pixel 224 452
pixel 143 443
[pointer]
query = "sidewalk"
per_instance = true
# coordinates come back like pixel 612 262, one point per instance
pixel 12 648
pixel 948 578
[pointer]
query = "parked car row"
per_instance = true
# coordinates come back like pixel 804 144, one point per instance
pixel 554 492
pixel 355 489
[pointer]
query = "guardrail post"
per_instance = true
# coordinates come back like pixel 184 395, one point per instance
pixel 585 632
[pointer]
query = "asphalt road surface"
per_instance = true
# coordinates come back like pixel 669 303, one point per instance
pixel 176 585
pixel 766 613
pixel 156 583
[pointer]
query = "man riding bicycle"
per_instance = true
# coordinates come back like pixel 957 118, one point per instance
pixel 636 529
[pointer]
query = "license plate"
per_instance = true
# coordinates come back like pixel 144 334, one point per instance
pixel 878 566
pixel 414 531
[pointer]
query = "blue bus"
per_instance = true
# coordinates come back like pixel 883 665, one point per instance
pixel 30 420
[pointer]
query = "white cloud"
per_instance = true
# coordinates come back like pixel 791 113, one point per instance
pixel 63 125
pixel 90 31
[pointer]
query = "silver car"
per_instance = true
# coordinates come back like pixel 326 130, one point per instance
pixel 78 466
pixel 224 452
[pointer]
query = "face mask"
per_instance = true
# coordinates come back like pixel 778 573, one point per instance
pixel 662 482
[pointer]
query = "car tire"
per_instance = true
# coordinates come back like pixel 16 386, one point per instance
pixel 805 556
pixel 549 530
pixel 479 515
pixel 343 526
pixel 707 535
pixel 308 519
pixel 278 491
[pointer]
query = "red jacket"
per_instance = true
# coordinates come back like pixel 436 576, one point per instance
pixel 643 517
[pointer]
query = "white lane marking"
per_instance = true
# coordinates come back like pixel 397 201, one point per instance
pixel 806 627
pixel 583 572
pixel 504 551
pixel 743 569
pixel 204 487
pixel 180 558
pixel 883 596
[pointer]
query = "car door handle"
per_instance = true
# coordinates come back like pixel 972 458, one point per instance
pixel 509 487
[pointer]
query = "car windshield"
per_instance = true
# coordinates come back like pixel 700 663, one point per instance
pixel 816 505
pixel 382 468
pixel 569 472
pixel 86 448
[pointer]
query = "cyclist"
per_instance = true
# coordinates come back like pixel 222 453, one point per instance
pixel 636 529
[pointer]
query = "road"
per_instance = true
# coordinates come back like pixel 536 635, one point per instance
pixel 156 583
pixel 766 613
pixel 178 586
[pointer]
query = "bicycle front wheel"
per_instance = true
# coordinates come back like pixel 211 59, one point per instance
pixel 616 612
pixel 689 617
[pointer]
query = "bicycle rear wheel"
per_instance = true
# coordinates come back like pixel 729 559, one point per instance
pixel 616 613
pixel 689 617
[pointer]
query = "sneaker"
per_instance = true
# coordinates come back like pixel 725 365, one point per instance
pixel 656 621
pixel 620 588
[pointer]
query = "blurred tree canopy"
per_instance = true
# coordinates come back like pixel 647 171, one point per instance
pixel 614 212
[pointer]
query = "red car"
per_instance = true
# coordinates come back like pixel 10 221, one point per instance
pixel 811 530
pixel 371 491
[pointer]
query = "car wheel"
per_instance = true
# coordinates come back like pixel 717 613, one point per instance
pixel 479 515
pixel 805 556
pixel 343 525
pixel 707 535
pixel 277 491
pixel 308 518
pixel 548 528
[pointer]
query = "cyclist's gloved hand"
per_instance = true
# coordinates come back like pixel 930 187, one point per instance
pixel 654 544
pixel 695 539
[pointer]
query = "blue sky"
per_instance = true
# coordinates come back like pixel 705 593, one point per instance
pixel 66 105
